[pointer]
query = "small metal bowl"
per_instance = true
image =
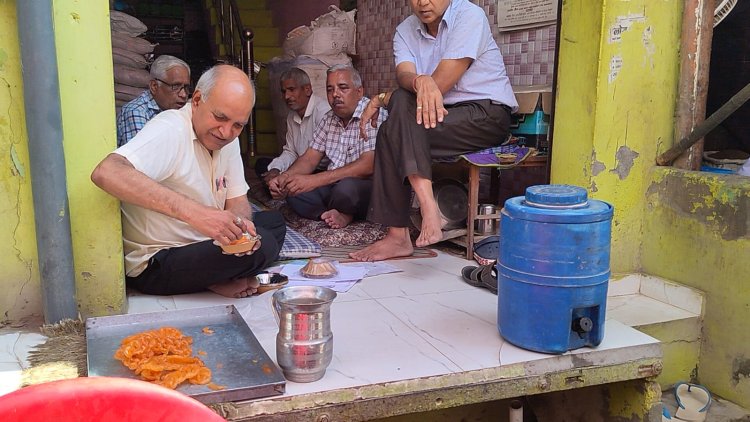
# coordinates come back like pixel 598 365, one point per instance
pixel 270 281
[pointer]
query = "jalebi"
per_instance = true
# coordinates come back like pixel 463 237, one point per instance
pixel 163 356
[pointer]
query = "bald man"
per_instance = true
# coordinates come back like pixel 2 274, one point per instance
pixel 183 192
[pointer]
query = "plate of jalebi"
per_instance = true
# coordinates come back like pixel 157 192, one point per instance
pixel 207 353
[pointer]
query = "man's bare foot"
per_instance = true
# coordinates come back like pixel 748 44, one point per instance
pixel 432 226
pixel 395 244
pixel 237 288
pixel 335 219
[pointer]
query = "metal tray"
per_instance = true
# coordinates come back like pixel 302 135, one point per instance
pixel 236 359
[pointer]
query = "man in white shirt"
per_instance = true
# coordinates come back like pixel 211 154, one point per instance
pixel 306 110
pixel 183 192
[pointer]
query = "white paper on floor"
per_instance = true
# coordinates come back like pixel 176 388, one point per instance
pixel 348 274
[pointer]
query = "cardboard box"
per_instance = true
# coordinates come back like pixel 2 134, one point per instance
pixel 531 121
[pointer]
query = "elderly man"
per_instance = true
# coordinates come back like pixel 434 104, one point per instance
pixel 454 97
pixel 183 193
pixel 306 110
pixel 342 192
pixel 168 89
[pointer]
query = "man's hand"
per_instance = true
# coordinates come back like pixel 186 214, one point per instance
pixel 430 108
pixel 270 175
pixel 248 227
pixel 277 186
pixel 369 115
pixel 220 225
pixel 300 183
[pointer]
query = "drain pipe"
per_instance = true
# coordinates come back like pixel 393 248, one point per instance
pixel 47 159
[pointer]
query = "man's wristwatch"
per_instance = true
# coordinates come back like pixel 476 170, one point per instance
pixel 381 98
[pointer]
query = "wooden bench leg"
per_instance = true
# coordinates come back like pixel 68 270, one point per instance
pixel 473 207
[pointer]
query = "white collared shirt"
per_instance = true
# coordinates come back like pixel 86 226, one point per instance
pixel 463 32
pixel 167 151
pixel 299 132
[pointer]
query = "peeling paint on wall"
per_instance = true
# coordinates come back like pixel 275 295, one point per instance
pixel 740 369
pixel 625 157
pixel 615 65
pixel 622 24
pixel 709 200
pixel 596 165
pixel 18 168
pixel 650 48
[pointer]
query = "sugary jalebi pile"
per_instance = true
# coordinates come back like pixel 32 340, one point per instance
pixel 163 356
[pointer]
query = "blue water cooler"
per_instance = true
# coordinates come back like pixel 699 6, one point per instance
pixel 553 269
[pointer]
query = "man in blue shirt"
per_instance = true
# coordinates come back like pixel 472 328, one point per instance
pixel 168 89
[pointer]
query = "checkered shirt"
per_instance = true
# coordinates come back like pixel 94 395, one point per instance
pixel 134 116
pixel 343 145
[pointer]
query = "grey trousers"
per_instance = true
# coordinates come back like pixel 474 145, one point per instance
pixel 347 196
pixel 405 148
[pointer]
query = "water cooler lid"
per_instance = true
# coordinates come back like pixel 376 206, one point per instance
pixel 557 204
pixel 553 196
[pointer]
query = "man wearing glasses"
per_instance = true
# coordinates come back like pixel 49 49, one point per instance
pixel 168 89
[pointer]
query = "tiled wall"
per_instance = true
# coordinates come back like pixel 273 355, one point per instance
pixel 529 54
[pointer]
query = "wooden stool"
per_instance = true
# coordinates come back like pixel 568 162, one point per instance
pixel 466 237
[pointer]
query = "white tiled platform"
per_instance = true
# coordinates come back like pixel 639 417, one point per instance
pixel 421 322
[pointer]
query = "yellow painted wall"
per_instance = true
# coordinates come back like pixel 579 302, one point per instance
pixel 84 59
pixel 617 82
pixel 698 227
pixel 19 267
pixel 85 70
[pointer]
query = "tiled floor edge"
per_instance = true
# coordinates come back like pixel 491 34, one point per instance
pixel 624 284
pixel 673 293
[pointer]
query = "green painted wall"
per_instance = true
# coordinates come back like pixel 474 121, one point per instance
pixel 84 60
pixel 698 227
pixel 19 276
pixel 617 81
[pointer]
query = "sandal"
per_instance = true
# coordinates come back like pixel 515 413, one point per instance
pixel 481 276
pixel 693 401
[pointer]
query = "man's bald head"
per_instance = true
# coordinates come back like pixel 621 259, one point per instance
pixel 222 102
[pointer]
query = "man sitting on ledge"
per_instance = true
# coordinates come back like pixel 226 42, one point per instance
pixel 454 98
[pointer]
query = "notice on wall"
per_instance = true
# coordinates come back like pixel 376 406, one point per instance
pixel 522 14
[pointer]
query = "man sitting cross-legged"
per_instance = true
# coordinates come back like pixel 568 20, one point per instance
pixel 183 190
pixel 306 110
pixel 342 192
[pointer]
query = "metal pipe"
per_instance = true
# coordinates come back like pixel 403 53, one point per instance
pixel 692 89
pixel 515 411
pixel 47 159
pixel 249 38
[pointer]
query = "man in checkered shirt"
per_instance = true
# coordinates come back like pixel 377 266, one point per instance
pixel 168 89
pixel 341 193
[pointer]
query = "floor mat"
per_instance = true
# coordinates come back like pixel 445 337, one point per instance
pixel 341 253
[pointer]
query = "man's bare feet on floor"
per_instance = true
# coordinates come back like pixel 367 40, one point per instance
pixel 396 243
pixel 335 219
pixel 432 227
pixel 237 288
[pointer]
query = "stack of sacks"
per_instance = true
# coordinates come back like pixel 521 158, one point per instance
pixel 327 41
pixel 131 55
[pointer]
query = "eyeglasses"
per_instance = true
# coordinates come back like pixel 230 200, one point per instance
pixel 177 87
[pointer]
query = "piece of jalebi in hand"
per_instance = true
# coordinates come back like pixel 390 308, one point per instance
pixel 163 356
